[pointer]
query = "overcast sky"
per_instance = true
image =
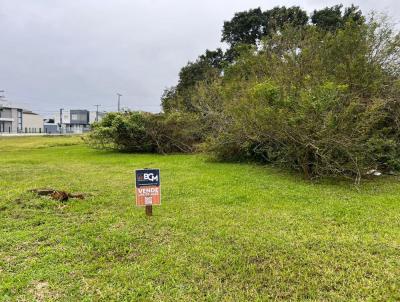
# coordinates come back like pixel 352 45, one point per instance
pixel 74 54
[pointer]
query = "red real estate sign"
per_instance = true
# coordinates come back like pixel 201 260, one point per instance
pixel 148 189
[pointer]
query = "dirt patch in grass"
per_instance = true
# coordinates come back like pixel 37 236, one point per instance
pixel 57 194
pixel 41 291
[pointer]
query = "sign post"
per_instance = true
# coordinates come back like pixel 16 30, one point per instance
pixel 148 189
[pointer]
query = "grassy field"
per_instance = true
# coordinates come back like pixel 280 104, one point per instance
pixel 225 232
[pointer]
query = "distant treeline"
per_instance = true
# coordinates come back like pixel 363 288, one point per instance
pixel 318 94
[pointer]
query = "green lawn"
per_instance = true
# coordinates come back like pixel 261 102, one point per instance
pixel 225 232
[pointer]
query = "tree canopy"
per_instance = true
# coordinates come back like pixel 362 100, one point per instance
pixel 249 27
pixel 320 96
pixel 332 18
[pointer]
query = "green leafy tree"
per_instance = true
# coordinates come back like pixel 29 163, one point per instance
pixel 332 18
pixel 209 63
pixel 249 27
pixel 245 27
pixel 319 102
pixel 206 68
pixel 279 17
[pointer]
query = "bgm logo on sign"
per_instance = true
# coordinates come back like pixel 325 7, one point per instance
pixel 148 191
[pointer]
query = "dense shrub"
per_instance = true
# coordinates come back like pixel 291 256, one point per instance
pixel 176 132
pixel 322 103
pixel 146 132
pixel 122 131
pixel 323 131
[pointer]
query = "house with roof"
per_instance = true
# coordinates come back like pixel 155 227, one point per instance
pixel 10 119
pixel 14 120
pixel 32 122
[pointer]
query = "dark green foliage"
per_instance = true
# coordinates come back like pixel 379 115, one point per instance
pixel 176 132
pixel 200 70
pixel 322 131
pixel 321 103
pixel 244 28
pixel 279 17
pixel 122 131
pixel 207 67
pixel 213 58
pixel 249 27
pixel 168 99
pixel 332 18
pixel 145 132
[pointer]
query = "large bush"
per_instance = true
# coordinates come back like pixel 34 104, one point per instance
pixel 122 131
pixel 323 103
pixel 146 132
pixel 322 131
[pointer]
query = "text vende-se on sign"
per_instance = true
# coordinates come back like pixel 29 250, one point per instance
pixel 148 189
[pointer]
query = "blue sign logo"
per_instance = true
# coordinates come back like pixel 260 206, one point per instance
pixel 147 177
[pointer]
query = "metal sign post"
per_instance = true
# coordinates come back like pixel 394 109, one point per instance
pixel 148 189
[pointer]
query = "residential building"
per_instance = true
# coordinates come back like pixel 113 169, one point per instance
pixel 14 120
pixel 32 122
pixel 11 119
pixel 75 121
pixel 79 121
pixel 17 120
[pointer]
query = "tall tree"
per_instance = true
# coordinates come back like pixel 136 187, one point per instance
pixel 209 63
pixel 206 68
pixel 251 26
pixel 278 17
pixel 332 18
pixel 245 27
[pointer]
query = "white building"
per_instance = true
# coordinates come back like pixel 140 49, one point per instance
pixel 32 122
pixel 15 120
pixel 10 119
pixel 65 117
pixel 77 121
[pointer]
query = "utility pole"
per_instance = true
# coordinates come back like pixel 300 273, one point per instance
pixel 119 101
pixel 61 110
pixel 97 112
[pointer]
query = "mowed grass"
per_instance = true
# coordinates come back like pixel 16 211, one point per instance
pixel 224 232
pixel 14 143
